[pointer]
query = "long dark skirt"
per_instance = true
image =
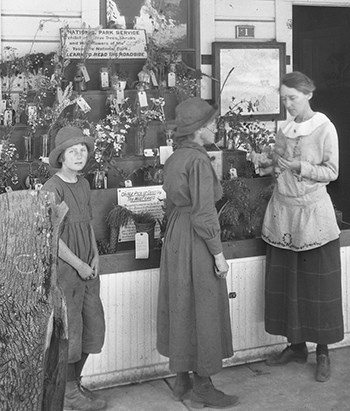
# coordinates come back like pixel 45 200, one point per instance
pixel 303 294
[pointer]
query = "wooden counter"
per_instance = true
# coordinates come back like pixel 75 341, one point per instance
pixel 124 261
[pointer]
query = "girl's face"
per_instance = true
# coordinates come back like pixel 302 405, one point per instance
pixel 296 102
pixel 208 133
pixel 75 157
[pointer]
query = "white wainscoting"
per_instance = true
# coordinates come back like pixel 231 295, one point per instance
pixel 130 302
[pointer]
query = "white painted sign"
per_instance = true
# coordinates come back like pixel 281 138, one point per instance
pixel 140 199
pixel 105 43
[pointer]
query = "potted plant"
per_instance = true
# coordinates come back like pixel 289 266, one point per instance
pixel 239 135
pixel 118 217
pixel 145 223
pixel 242 209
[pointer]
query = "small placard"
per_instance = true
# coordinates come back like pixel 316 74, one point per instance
pixel 139 199
pixel 245 32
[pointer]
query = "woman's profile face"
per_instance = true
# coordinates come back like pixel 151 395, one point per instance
pixel 208 133
pixel 294 100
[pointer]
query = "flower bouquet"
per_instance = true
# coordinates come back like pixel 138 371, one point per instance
pixel 8 170
pixel 144 116
pixel 110 135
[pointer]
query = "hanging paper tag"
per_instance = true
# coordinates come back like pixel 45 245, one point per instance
pixel 83 104
pixel 164 153
pixel 141 246
pixel 7 117
pixel 32 113
pixel 171 79
pixel 121 84
pixel 153 78
pixel 104 79
pixel 85 73
pixel 2 106
pixel 120 96
pixel 59 94
pixel 142 98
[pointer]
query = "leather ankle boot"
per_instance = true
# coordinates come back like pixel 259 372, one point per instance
pixel 75 400
pixel 323 368
pixel 204 394
pixel 182 386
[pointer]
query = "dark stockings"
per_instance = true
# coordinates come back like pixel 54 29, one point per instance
pixel 320 348
pixel 75 369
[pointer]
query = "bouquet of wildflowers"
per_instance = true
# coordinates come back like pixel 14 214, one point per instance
pixel 8 170
pixel 110 134
pixel 154 112
pixel 244 134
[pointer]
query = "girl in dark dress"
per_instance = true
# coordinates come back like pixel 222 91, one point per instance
pixel 78 263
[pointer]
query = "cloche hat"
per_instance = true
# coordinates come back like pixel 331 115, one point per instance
pixel 192 114
pixel 67 137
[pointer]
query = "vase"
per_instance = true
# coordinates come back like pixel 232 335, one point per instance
pixel 45 139
pixel 99 180
pixel 139 141
pixel 28 148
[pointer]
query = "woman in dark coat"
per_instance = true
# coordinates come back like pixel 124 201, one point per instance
pixel 193 324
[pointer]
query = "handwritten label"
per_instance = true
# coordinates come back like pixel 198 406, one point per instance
pixel 106 43
pixel 140 199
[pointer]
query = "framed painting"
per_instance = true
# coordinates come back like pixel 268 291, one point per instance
pixel 249 74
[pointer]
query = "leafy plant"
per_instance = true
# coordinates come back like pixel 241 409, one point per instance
pixel 143 218
pixel 241 213
pixel 118 217
pixel 245 134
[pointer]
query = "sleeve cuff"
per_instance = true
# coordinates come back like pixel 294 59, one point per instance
pixel 214 245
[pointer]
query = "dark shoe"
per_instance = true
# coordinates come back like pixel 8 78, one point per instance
pixel 75 400
pixel 88 393
pixel 182 386
pixel 323 368
pixel 207 395
pixel 286 356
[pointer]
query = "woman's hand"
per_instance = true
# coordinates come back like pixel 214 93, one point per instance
pixel 293 164
pixel 221 266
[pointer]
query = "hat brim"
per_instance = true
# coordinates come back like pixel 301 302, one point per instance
pixel 190 129
pixel 57 151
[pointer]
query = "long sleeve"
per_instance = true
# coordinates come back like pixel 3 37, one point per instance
pixel 204 216
pixel 327 169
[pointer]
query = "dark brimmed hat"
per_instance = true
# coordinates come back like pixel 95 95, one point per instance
pixel 67 137
pixel 192 114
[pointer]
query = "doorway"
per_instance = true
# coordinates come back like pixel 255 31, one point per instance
pixel 321 50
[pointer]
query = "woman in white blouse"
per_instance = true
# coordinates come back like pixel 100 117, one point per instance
pixel 303 273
